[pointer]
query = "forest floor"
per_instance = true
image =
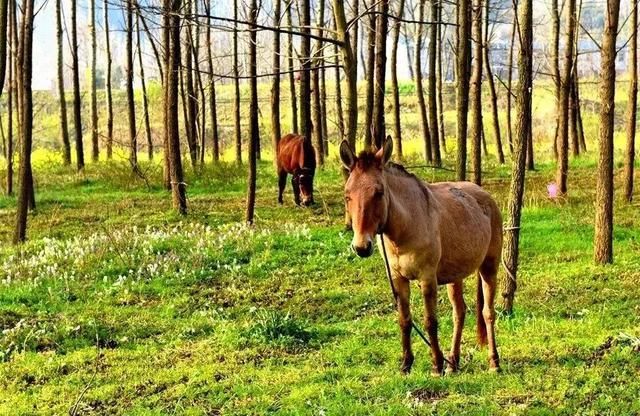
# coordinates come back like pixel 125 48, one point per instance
pixel 116 305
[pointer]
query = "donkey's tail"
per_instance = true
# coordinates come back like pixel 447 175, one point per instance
pixel 481 326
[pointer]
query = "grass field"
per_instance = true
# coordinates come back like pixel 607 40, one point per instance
pixel 116 305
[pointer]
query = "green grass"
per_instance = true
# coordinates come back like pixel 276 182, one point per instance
pixel 116 305
pixel 120 305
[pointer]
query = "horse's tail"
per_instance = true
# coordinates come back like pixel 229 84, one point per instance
pixel 481 326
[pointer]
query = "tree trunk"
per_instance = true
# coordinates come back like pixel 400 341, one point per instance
pixel 631 106
pixel 145 101
pixel 397 131
pixel 462 93
pixel 276 132
pixel 555 67
pixel 236 84
pixel 77 117
pixel 190 94
pixel 107 79
pixel 11 89
pixel 172 65
pixel 254 130
pixel 509 85
pixel 431 84
pixel 339 114
pixel 64 123
pixel 152 42
pixel 441 47
pixel 305 75
pixel 323 107
pixel 380 66
pixel 290 68
pixel 369 77
pixel 131 106
pixel 603 239
pixel 583 144
pixel 315 86
pixel 350 69
pixel 492 87
pixel 476 92
pixel 212 95
pixel 563 125
pixel 424 121
pixel 95 148
pixel 523 127
pixel 25 195
pixel 4 10
pixel 573 119
pixel 355 29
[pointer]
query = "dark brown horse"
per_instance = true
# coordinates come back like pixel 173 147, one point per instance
pixel 297 157
pixel 437 234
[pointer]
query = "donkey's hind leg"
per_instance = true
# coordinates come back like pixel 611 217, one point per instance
pixel 488 274
pixel 455 291
pixel 282 182
pixel 296 188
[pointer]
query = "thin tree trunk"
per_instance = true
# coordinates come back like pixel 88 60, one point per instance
pixel 212 95
pixel 315 86
pixel 131 106
pixel 77 117
pixel 563 130
pixel 4 11
pixel 509 85
pixel 424 121
pixel 603 239
pixel 323 107
pixel 306 126
pixel 236 85
pixel 107 79
pixel 573 119
pixel 152 42
pixel 338 97
pixel 380 68
pixel 190 94
pixel 462 93
pixel 369 77
pixel 492 86
pixel 64 123
pixel 350 69
pixel 555 67
pixel 254 130
pixel 523 127
pixel 145 101
pixel 25 195
pixel 631 106
pixel 476 92
pixel 395 91
pixel 11 89
pixel 276 132
pixel 441 47
pixel 431 85
pixel 290 67
pixel 95 148
pixel 172 64
pixel 355 29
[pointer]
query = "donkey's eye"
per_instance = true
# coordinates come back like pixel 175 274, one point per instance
pixel 347 198
pixel 379 194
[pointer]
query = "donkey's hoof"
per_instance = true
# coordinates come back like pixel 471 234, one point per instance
pixel 495 369
pixel 407 363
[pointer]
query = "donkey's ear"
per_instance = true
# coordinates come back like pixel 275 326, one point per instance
pixel 346 155
pixel 384 154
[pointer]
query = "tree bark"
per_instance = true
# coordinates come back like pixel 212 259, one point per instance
pixel 190 93
pixel 11 89
pixel 369 77
pixel 306 126
pixel 441 47
pixel 631 106
pixel 431 84
pixel 555 67
pixel 315 86
pixel 254 130
pixel 462 93
pixel 350 69
pixel 563 125
pixel 4 10
pixel 145 100
pixel 290 67
pixel 77 117
pixel 509 85
pixel 107 79
pixel 380 68
pixel 172 9
pixel 424 121
pixel 339 114
pixel 603 239
pixel 25 195
pixel 492 86
pixel 476 92
pixel 64 123
pixel 236 85
pixel 276 132
pixel 212 95
pixel 131 106
pixel 95 148
pixel 523 128
pixel 397 130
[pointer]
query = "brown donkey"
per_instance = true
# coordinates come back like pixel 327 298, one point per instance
pixel 435 233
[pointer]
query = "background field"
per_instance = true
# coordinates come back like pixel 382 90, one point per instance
pixel 116 305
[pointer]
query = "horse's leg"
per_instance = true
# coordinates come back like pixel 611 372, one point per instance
pixel 404 320
pixel 488 273
pixel 455 291
pixel 296 188
pixel 429 287
pixel 282 182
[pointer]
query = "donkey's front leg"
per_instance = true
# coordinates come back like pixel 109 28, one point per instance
pixel 404 320
pixel 429 287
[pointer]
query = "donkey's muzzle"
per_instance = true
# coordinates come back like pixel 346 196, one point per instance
pixel 363 251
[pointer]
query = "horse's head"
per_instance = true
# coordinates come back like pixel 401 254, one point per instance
pixel 365 194
pixel 305 185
